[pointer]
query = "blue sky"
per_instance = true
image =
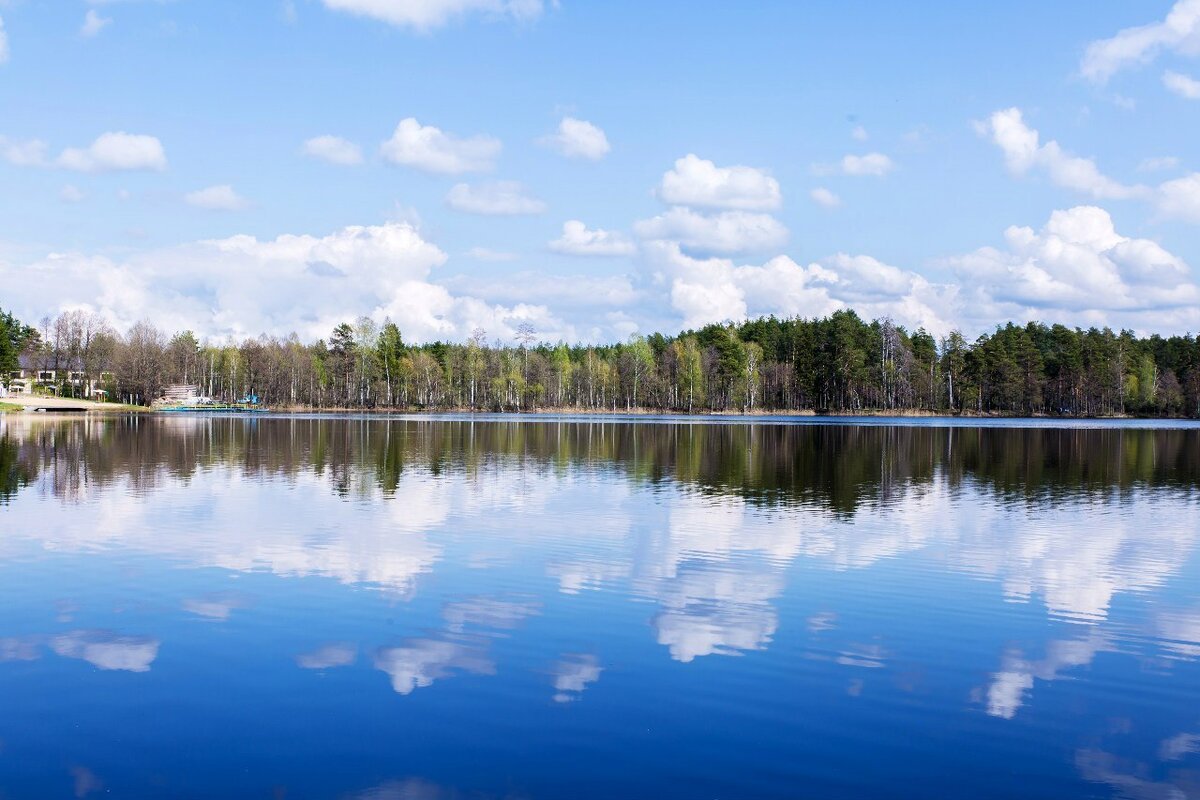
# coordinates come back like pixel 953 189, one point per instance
pixel 153 163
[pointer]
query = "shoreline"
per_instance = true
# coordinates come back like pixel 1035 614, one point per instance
pixel 650 412
pixel 115 409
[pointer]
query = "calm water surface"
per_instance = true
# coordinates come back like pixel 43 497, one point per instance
pixel 402 608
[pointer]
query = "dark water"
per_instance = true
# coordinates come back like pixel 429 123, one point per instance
pixel 417 609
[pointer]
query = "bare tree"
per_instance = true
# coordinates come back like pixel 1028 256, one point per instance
pixel 141 361
pixel 526 334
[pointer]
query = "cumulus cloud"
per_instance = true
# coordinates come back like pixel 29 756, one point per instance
pixel 428 148
pixel 216 198
pixel 116 151
pixel 1009 687
pixel 419 662
pixel 714 289
pixel 1024 152
pixel 700 183
pixel 573 674
pixel 335 654
pixel 110 152
pixel 93 23
pixel 824 197
pixel 704 290
pixel 1182 85
pixel 1078 268
pixel 501 198
pixel 425 15
pixel 1179 32
pixel 108 650
pixel 859 134
pixel 577 138
pixel 872 164
pixel 71 194
pixel 726 232
pixel 333 149
pixel 243 286
pixel 1180 198
pixel 31 153
pixel 578 240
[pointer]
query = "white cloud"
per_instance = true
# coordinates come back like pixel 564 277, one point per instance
pixel 1007 691
pixel 428 148
pixel 715 289
pixel 578 240
pixel 1179 632
pixel 1023 152
pixel 243 286
pixel 93 23
pixel 1182 85
pixel 488 254
pixel 218 607
pixel 420 662
pixel 217 198
pixel 824 197
pixel 107 650
pixel 1178 746
pixel 71 194
pixel 31 153
pixel 573 674
pixel 489 613
pixel 577 292
pixel 336 654
pixel 1078 269
pixel 425 15
pixel 333 149
pixel 577 138
pixel 1158 163
pixel 116 151
pixel 859 134
pixel 874 164
pixel 724 233
pixel 700 183
pixel 1179 32
pixel 501 198
pixel 1180 198
pixel 4 52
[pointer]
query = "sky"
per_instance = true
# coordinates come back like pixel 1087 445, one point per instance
pixel 599 169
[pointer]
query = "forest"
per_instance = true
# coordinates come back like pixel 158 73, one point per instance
pixel 838 364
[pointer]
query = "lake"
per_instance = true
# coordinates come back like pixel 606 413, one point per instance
pixel 410 608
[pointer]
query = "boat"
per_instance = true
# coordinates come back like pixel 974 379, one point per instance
pixel 177 402
pixel 215 408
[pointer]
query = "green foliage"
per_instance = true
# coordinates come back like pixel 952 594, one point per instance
pixel 837 364
pixel 14 336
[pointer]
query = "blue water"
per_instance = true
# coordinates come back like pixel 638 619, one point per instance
pixel 416 607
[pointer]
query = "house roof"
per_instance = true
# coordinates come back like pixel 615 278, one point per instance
pixel 33 362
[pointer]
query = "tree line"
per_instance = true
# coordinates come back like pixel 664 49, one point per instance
pixel 840 363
